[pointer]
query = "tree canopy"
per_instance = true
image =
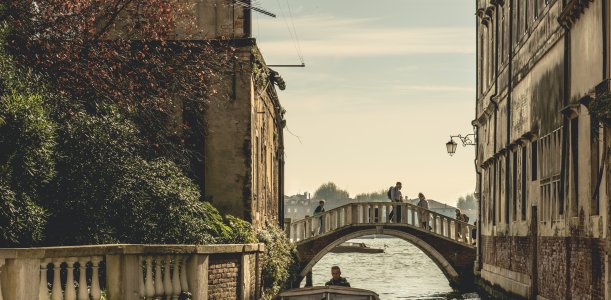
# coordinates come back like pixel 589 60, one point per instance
pixel 467 202
pixel 373 196
pixel 330 192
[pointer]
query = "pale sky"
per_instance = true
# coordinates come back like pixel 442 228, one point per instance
pixel 386 83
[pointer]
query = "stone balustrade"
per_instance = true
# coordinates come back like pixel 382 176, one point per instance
pixel 130 272
pixel 379 213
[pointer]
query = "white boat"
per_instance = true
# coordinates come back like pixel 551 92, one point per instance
pixel 349 247
pixel 328 293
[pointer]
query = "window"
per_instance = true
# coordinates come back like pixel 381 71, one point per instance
pixel 514 189
pixel 594 167
pixel 523 177
pixel 534 164
pixel 575 167
pixel 550 153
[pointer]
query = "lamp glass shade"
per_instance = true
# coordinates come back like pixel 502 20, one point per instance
pixel 451 146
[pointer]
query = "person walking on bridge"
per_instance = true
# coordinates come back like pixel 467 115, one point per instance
pixel 423 213
pixel 395 196
pixel 318 211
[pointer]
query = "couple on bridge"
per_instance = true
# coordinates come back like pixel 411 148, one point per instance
pixel 394 194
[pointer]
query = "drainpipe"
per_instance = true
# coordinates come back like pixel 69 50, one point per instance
pixel 280 125
pixel 508 129
pixel 479 173
pixel 496 108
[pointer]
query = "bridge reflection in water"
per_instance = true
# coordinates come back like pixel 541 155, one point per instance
pixel 445 240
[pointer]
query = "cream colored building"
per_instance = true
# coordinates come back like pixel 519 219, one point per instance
pixel 543 177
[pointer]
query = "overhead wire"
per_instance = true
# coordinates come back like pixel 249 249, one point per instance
pixel 293 37
pixel 299 51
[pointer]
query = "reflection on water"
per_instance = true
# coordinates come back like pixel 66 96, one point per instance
pixel 401 272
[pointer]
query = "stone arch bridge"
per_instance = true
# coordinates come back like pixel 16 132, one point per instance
pixel 445 240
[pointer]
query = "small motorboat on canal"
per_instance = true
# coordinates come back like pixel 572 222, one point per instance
pixel 349 247
pixel 328 293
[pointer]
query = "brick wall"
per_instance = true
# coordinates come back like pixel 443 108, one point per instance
pixel 223 276
pixel 507 252
pixel 573 266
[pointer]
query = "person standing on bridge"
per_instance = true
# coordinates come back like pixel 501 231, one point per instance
pixel 423 213
pixel 337 279
pixel 396 196
pixel 318 211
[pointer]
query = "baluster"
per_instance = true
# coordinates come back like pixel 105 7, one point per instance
pixel 56 289
pixel 413 217
pixel 141 267
pixel 365 212
pixel 2 264
pixel 441 220
pixel 83 293
pixel 455 230
pixel 293 232
pixel 176 279
pixel 167 280
pixel 69 291
pixel 43 289
pixel 158 282
pixel 308 226
pixel 149 287
pixel 184 283
pixel 335 217
pixel 96 293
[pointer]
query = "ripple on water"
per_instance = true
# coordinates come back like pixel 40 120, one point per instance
pixel 401 272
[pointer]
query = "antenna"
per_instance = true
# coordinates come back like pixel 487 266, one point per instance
pixel 245 4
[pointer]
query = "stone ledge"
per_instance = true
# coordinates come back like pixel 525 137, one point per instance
pixel 504 281
pixel 118 249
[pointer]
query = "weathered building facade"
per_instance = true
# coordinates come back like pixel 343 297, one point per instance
pixel 243 144
pixel 542 160
pixel 241 170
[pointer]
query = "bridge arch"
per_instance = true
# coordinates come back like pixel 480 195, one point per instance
pixel 445 241
pixel 443 264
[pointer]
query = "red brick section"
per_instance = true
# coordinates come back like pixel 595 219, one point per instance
pixel 459 256
pixel 565 266
pixel 223 277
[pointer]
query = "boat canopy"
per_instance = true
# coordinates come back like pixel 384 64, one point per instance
pixel 328 293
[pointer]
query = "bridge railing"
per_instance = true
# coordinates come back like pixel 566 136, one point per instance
pixel 381 213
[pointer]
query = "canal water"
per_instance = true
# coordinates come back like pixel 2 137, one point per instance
pixel 401 272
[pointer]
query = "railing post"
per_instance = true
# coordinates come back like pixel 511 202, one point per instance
pixel 21 279
pixel 355 213
pixel 308 226
pixel 434 221
pixel 122 277
pixel 197 278
pixel 246 291
pixel 441 220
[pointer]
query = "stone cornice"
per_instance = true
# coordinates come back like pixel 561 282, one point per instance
pixel 571 110
pixel 572 11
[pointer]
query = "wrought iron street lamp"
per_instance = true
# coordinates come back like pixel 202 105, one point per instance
pixel 466 141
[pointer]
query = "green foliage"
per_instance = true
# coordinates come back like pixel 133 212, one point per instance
pixel 467 202
pixel 330 192
pixel 27 142
pixel 105 192
pixel 374 196
pixel 21 220
pixel 241 232
pixel 600 109
pixel 281 262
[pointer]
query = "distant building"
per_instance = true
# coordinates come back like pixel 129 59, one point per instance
pixel 447 210
pixel 542 182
